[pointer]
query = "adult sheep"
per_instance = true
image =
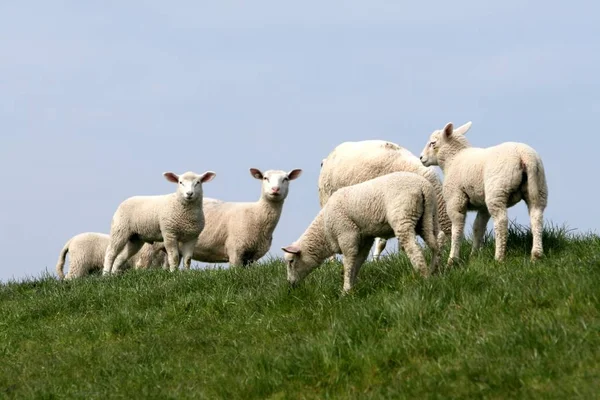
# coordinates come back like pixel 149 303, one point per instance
pixel 87 251
pixel 170 218
pixel 354 162
pixel 241 232
pixel 400 204
pixel 489 180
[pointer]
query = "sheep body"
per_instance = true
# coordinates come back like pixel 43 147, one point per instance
pixel 354 162
pixel 400 204
pixel 242 232
pixel 87 251
pixel 176 219
pixel 489 180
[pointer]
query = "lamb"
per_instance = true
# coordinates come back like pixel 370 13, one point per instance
pixel 399 204
pixel 170 218
pixel 354 162
pixel 489 180
pixel 241 233
pixel 87 250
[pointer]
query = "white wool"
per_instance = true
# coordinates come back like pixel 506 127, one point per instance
pixel 241 232
pixel 176 219
pixel 399 204
pixel 87 250
pixel 354 162
pixel 488 180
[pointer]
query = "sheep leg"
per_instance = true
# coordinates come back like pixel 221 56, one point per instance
pixel 172 248
pixel 187 251
pixel 536 217
pixel 500 216
pixel 379 247
pixel 354 257
pixel 479 225
pixel 131 248
pixel 457 212
pixel 432 242
pixel 407 238
pixel 116 245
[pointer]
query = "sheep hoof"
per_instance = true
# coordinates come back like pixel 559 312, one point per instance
pixel 536 256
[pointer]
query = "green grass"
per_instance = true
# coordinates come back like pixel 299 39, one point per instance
pixel 483 330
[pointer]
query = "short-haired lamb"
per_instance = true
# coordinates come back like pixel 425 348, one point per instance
pixel 488 180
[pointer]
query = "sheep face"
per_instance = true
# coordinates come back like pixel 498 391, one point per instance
pixel 275 183
pixel 443 140
pixel 297 266
pixel 189 186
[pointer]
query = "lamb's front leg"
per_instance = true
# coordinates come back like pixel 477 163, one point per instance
pixel 500 215
pixel 187 251
pixel 479 225
pixel 353 258
pixel 457 212
pixel 172 248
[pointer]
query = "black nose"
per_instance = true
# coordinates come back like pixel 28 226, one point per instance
pixel 189 194
pixel 421 158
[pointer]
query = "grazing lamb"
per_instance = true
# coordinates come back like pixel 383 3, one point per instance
pixel 241 233
pixel 354 162
pixel 171 218
pixel 399 204
pixel 488 180
pixel 87 250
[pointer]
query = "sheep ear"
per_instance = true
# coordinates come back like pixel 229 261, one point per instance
pixel 171 177
pixel 293 174
pixel 255 172
pixel 461 130
pixel 292 249
pixel 207 176
pixel 448 129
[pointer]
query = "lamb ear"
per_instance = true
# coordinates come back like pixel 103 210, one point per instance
pixel 255 172
pixel 448 129
pixel 207 176
pixel 461 130
pixel 292 249
pixel 293 174
pixel 171 177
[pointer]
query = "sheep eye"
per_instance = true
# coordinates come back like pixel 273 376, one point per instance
pixel 431 144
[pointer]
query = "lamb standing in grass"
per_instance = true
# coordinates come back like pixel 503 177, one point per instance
pixel 354 162
pixel 241 233
pixel 87 251
pixel 488 180
pixel 400 204
pixel 171 218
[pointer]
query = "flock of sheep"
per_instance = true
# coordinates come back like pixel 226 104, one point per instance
pixel 369 191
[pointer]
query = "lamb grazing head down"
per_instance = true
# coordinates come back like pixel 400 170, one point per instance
pixel 275 183
pixel 190 184
pixel 297 266
pixel 444 143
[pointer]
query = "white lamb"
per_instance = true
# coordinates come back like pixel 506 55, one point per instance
pixel 87 251
pixel 241 233
pixel 400 204
pixel 488 180
pixel 354 162
pixel 171 218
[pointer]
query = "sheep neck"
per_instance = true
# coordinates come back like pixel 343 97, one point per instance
pixel 450 150
pixel 313 242
pixel 272 211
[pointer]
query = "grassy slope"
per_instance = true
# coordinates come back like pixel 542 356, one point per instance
pixel 482 330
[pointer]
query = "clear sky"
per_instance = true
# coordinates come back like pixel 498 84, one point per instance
pixel 98 99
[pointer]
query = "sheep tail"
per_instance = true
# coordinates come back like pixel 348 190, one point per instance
pixel 61 261
pixel 537 188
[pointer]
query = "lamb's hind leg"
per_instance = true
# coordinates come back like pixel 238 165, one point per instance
pixel 116 245
pixel 131 247
pixel 536 218
pixel 407 239
pixel 497 208
pixel 379 247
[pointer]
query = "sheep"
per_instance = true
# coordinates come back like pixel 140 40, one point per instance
pixel 241 233
pixel 399 204
pixel 87 250
pixel 170 218
pixel 354 162
pixel 489 180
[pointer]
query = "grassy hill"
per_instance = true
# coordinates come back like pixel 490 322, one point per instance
pixel 483 330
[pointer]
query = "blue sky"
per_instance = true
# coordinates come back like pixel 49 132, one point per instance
pixel 98 99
